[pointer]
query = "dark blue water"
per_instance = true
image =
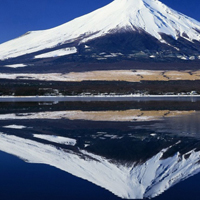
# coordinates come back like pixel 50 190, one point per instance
pixel 186 190
pixel 20 180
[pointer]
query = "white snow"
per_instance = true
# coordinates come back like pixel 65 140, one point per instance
pixel 183 57
pixel 60 52
pixel 15 126
pixel 15 65
pixel 150 16
pixel 57 139
pixel 145 180
pixel 192 58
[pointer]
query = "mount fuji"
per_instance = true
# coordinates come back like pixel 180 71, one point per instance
pixel 123 29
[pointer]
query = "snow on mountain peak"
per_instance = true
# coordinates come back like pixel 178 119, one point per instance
pixel 149 16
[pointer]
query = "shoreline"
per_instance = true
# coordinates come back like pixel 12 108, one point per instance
pixel 100 98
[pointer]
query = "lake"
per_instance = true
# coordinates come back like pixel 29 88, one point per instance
pixel 126 149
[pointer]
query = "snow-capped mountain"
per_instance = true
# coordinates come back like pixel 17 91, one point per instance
pixel 133 181
pixel 122 29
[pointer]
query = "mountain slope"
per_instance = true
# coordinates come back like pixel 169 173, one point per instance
pixel 121 27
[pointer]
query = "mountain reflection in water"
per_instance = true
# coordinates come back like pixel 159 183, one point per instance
pixel 133 153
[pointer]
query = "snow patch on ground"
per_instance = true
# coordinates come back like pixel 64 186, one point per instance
pixel 15 126
pixel 192 58
pixel 183 57
pixel 57 139
pixel 16 65
pixel 60 52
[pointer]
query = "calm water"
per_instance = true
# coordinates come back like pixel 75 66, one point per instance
pixel 100 150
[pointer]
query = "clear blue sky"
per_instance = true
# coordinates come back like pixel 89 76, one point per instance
pixel 20 16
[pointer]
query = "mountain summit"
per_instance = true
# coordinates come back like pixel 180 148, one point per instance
pixel 123 28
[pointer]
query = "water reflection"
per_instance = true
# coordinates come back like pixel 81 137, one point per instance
pixel 186 125
pixel 119 115
pixel 133 153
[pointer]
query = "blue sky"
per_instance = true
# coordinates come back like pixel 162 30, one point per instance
pixel 20 16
